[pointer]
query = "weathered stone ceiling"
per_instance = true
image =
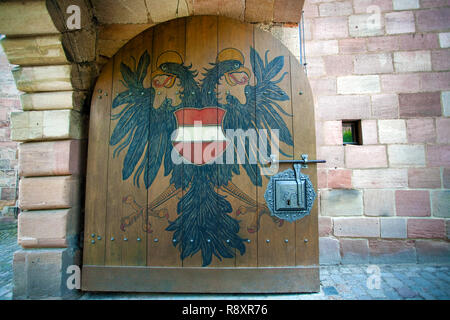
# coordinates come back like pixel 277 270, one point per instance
pixel 122 20
pixel 156 11
pixel 108 24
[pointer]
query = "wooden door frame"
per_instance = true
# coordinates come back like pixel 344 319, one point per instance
pixel 303 277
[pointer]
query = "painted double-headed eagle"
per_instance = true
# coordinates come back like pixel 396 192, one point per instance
pixel 150 115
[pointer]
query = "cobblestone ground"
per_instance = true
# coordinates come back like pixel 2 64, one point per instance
pixel 344 282
pixel 8 244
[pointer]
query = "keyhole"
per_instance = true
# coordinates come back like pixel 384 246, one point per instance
pixel 289 202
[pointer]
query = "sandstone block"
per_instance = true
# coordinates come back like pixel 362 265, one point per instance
pixel 365 156
pixel 354 251
pixel 380 178
pixel 21 18
pixel 444 39
pixel 332 132
pixel 49 193
pixel 343 107
pixel 334 156
pixel 421 130
pixel 440 200
pixel 339 179
pixel 400 22
pixel 48 229
pixel 330 28
pixel 406 4
pixel 435 252
pixel 51 158
pixel 341 202
pixel 369 131
pixel 438 155
pixel 433 20
pixel 366 25
pixel 412 203
pixel 426 228
pixel 412 61
pixel 44 50
pixel 358 84
pixel 392 251
pixel 47 125
pixel 400 83
pixel 392 131
pixel 373 63
pixel 325 226
pixel 40 273
pixel 329 251
pixel 357 227
pixel 379 202
pixel 443 130
pixel 385 106
pixel 53 100
pixel 428 178
pixel 393 228
pixel 406 155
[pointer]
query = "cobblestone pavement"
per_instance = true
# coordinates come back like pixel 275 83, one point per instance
pixel 8 244
pixel 344 282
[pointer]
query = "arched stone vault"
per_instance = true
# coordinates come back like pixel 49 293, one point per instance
pixel 56 68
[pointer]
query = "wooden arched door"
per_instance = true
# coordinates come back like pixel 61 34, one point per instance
pixel 163 213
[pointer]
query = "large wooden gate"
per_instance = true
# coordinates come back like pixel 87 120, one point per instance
pixel 163 214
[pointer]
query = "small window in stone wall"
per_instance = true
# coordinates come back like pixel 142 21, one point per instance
pixel 351 132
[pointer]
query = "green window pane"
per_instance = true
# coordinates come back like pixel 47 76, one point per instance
pixel 347 133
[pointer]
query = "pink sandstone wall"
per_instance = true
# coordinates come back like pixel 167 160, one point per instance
pixel 387 63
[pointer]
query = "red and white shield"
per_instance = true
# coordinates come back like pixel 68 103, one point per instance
pixel 200 138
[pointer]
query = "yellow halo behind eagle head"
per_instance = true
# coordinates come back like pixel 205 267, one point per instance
pixel 233 54
pixel 166 57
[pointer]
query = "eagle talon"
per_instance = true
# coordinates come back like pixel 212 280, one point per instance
pixel 128 199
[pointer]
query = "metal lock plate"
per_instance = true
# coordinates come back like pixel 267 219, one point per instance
pixel 290 194
pixel 287 196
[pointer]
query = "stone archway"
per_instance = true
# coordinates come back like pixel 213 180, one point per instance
pixel 56 69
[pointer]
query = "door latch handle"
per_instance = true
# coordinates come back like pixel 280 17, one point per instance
pixel 304 161
pixel 298 165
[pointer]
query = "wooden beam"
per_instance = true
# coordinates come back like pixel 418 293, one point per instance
pixel 201 280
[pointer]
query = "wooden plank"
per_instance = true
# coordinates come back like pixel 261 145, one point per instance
pixel 201 32
pixel 236 38
pixel 276 238
pixel 126 204
pixel 307 240
pixel 201 280
pixel 97 171
pixel 169 36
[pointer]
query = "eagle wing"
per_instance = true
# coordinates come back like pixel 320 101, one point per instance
pixel 145 130
pixel 261 111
